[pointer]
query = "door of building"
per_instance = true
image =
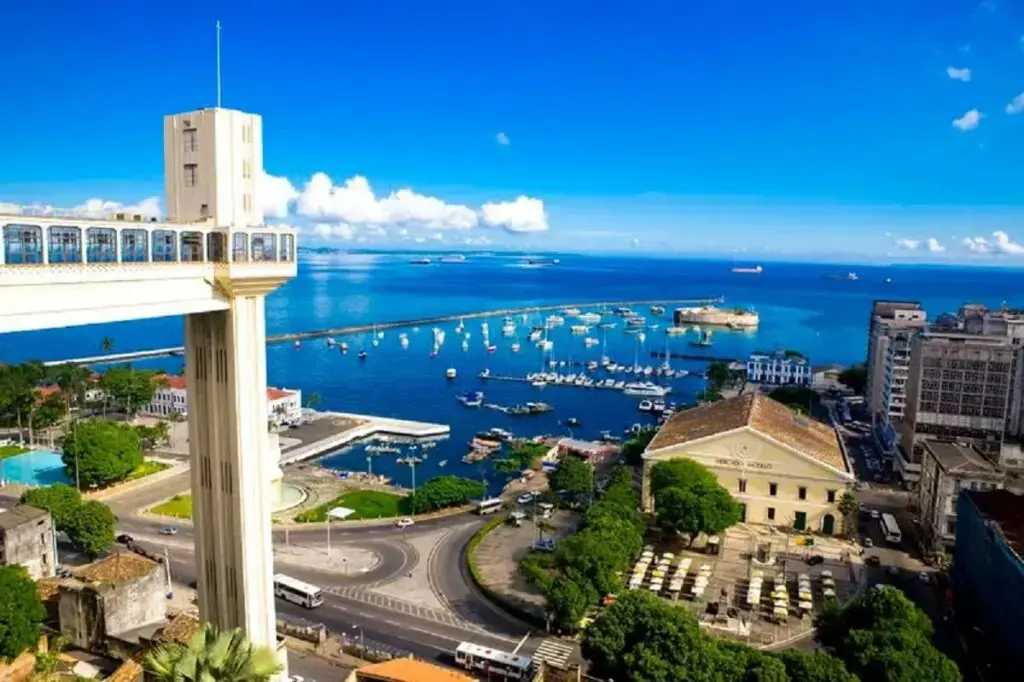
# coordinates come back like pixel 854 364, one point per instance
pixel 801 521
pixel 743 512
pixel 828 524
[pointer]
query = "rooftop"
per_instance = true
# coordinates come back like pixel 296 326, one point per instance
pixel 959 460
pixel 120 567
pixel 19 515
pixel 409 670
pixel 180 629
pixel 179 384
pixel 760 413
pixel 129 671
pixel 1006 510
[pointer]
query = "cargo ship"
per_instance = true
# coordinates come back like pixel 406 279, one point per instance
pixel 756 270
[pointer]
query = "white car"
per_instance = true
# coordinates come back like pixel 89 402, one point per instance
pixel 526 498
pixel 169 530
pixel 404 523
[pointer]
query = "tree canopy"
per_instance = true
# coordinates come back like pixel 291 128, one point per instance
pixel 573 475
pixel 62 501
pixel 445 491
pixel 688 498
pixel 633 449
pixel 102 451
pixel 881 635
pixel 21 612
pixel 799 398
pixel 855 378
pixel 91 528
pixel 129 387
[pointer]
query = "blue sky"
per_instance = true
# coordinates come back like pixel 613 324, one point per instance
pixel 809 128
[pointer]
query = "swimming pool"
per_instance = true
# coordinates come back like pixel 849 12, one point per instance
pixel 39 467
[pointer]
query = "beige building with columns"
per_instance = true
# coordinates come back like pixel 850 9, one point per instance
pixel 783 468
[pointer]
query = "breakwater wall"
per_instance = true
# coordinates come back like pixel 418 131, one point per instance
pixel 382 326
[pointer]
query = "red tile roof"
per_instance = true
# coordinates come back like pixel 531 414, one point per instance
pixel 176 382
pixel 278 394
pixel 180 384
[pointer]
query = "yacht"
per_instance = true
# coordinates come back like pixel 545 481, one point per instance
pixel 657 310
pixel 451 373
pixel 579 329
pixel 492 348
pixel 484 373
pixel 330 342
pixel 555 320
pixel 546 345
pixel 646 405
pixel 298 345
pixel 509 329
pixel 590 341
pixel 472 399
pixel 344 347
pixel 363 355
pixel 590 318
pixel 571 312
pixel 420 261
pixel 465 345
pixel 675 331
pixel 535 335
pixel 646 389
pixel 515 347
pixel 635 321
pixel 403 340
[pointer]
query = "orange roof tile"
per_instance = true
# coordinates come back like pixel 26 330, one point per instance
pixel 760 413
pixel 409 670
pixel 278 394
pixel 117 568
pixel 176 383
pixel 180 629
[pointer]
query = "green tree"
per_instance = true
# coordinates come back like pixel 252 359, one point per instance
pixel 633 449
pixel 573 475
pixel 798 398
pixel 682 473
pixel 445 491
pixel 73 380
pixel 21 612
pixel 719 375
pixel 47 661
pixel 312 400
pixel 568 601
pixel 97 452
pixel 91 528
pixel 849 507
pixel 855 378
pixel 881 635
pixel 817 666
pixel 107 344
pixel 694 511
pixel 213 656
pixel 62 501
pixel 129 387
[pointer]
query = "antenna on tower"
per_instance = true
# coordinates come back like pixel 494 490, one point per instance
pixel 218 64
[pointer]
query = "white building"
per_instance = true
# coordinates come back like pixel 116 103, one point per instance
pixel 283 405
pixel 946 469
pixel 891 331
pixel 779 369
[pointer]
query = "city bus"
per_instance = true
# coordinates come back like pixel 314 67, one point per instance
pixel 890 529
pixel 493 662
pixel 297 591
pixel 489 506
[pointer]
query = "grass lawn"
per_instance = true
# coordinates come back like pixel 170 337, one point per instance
pixel 11 451
pixel 179 506
pixel 147 468
pixel 368 504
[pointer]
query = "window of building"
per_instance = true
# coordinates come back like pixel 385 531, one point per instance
pixel 743 485
pixel 771 513
pixel 191 174
pixel 190 137
pixel 246 202
pixel 831 496
pixel 801 493
pixel 773 489
pixel 246 169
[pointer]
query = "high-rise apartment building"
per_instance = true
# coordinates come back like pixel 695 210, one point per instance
pixel 891 329
pixel 959 388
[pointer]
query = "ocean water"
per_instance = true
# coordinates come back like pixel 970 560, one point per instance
pixel 825 319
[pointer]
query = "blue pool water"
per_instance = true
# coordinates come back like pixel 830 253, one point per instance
pixel 39 467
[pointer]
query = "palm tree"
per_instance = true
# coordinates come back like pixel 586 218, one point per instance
pixel 107 344
pixel 213 656
pixel 72 380
pixel 312 400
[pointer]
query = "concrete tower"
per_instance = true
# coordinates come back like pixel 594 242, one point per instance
pixel 213 158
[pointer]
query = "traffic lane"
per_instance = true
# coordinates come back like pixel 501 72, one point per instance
pixel 452 581
pixel 394 561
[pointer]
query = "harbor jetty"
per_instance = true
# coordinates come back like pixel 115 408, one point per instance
pixel 381 326
pixel 692 356
pixel 366 426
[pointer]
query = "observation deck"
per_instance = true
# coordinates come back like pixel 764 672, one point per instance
pixel 59 271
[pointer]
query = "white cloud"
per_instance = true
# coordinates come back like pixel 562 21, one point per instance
pixel 276 194
pixel 502 139
pixel 908 244
pixel 963 75
pixel 338 231
pixel 1016 104
pixel 934 245
pixel 635 241
pixel 977 244
pixel 525 214
pixel 1003 244
pixel 90 208
pixel 355 202
pixel 969 121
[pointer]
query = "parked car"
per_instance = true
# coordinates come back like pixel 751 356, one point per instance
pixel 875 515
pixel 168 530
pixel 404 523
pixel 125 539
pixel 868 542
pixel 815 559
pixel 525 498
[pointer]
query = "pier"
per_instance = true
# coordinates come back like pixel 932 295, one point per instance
pixel 367 426
pixel 383 326
pixel 691 356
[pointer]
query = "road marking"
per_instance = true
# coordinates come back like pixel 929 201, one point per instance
pixel 396 605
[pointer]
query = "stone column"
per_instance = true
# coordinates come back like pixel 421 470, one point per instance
pixel 646 500
pixel 226 365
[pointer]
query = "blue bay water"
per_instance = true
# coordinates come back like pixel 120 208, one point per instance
pixel 799 309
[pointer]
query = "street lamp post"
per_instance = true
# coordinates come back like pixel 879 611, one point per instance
pixel 362 642
pixel 369 466
pixel 412 467
pixel 328 535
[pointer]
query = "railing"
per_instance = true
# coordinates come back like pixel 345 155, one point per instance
pixel 30 244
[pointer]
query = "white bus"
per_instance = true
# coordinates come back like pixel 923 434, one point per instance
pixel 297 591
pixel 493 662
pixel 489 506
pixel 890 529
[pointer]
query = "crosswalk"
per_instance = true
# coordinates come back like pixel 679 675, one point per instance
pixel 398 605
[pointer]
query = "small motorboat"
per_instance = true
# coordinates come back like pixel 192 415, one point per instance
pixel 363 355
pixel 451 373
pixel 646 406
pixel 572 421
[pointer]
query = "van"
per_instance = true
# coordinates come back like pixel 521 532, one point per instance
pixel 545 510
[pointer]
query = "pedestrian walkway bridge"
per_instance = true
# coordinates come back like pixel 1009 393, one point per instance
pixel 60 271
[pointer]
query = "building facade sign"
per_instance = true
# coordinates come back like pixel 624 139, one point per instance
pixel 742 464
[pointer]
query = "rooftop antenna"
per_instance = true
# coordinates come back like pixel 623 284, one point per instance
pixel 218 63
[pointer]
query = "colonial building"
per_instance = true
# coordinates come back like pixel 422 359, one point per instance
pixel 284 406
pixel 26 539
pixel 783 468
pixel 779 369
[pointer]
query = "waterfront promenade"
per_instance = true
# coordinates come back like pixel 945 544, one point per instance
pixel 383 326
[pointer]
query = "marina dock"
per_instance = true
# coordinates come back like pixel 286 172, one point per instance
pixel 382 326
pixel 693 356
pixel 368 426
